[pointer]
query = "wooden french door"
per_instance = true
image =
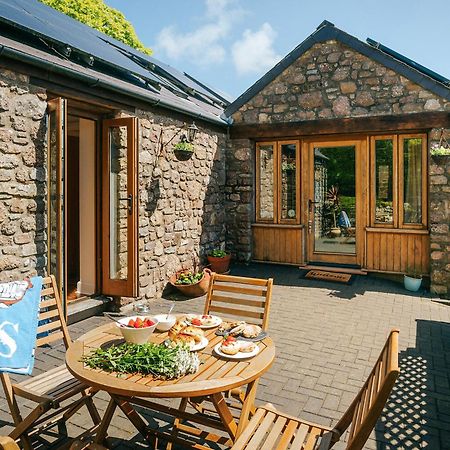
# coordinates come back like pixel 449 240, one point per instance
pixel 335 201
pixel 56 224
pixel 119 207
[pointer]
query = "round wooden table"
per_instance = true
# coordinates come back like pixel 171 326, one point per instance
pixel 215 376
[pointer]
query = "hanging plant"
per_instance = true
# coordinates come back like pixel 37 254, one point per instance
pixel 183 150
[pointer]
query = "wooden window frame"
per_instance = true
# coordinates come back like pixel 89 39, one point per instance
pixel 398 188
pixel 424 174
pixel 276 146
pixel 295 221
pixel 373 197
pixel 258 181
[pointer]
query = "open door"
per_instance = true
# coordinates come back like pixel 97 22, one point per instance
pixel 119 207
pixel 56 144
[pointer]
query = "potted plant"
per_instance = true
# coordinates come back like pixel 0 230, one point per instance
pixel 412 280
pixel 191 283
pixel 219 260
pixel 183 150
pixel 333 202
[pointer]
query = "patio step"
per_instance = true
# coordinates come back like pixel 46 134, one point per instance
pixel 88 307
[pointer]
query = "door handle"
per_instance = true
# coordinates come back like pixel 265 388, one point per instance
pixel 129 199
pixel 311 204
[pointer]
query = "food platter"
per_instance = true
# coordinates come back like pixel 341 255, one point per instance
pixel 201 345
pixel 239 355
pixel 258 338
pixel 211 322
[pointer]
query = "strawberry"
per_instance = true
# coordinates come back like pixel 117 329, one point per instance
pixel 196 322
pixel 138 323
pixel 131 323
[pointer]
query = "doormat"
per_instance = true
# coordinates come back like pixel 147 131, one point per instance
pixel 334 277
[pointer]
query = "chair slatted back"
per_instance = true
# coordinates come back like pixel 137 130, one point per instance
pixel 365 410
pixel 240 298
pixel 53 324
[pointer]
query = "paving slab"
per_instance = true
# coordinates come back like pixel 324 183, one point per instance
pixel 327 337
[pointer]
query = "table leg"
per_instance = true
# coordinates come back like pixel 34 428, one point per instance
pixel 247 406
pixel 104 424
pixel 225 414
pixel 177 421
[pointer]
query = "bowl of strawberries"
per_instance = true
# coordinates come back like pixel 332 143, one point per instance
pixel 137 329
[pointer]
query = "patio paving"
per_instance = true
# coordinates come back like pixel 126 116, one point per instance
pixel 327 337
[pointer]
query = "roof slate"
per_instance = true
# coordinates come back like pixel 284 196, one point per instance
pixel 327 31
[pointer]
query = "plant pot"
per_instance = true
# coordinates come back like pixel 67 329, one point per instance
pixel 192 290
pixel 412 284
pixel 183 155
pixel 335 232
pixel 219 265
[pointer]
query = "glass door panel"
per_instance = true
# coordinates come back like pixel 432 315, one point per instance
pixel 288 185
pixel 266 182
pixel 333 206
pixel 119 245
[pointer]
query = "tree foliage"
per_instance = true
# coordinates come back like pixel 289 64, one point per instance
pixel 102 17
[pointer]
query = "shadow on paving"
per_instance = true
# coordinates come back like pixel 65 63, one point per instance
pixel 417 414
pixel 291 276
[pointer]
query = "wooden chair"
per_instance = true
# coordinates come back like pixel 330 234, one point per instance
pixel 237 298
pixel 249 298
pixel 271 429
pixel 50 389
pixel 6 443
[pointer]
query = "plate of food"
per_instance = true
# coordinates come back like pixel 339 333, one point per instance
pixel 203 320
pixel 242 330
pixel 231 348
pixel 184 333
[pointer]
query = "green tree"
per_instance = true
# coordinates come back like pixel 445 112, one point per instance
pixel 102 17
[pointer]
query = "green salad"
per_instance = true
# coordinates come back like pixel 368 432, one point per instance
pixel 160 360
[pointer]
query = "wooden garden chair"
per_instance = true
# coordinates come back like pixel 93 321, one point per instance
pixel 271 429
pixel 50 389
pixel 7 443
pixel 234 299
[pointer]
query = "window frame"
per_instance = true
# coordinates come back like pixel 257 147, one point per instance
pixel 276 194
pixel 424 176
pixel 398 181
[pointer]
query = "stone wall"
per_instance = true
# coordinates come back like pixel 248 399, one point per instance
pixel 328 81
pixel 22 177
pixel 439 200
pixel 181 205
pixel 240 197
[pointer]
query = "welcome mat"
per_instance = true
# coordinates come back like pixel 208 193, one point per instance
pixel 335 277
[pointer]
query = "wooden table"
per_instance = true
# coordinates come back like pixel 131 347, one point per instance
pixel 215 377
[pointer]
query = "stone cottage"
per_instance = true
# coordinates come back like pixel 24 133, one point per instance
pixel 325 161
pixel 331 162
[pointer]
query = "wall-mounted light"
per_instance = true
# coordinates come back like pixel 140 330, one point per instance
pixel 191 132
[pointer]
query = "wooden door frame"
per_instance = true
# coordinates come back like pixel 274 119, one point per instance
pixel 361 190
pixel 128 287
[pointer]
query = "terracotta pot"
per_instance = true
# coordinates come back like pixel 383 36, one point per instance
pixel 192 290
pixel 219 265
pixel 335 232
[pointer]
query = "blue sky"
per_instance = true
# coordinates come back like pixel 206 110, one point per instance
pixel 229 44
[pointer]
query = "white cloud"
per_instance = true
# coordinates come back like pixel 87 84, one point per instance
pixel 254 53
pixel 203 45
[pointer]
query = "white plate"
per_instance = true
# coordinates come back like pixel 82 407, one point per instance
pixel 201 345
pixel 238 355
pixel 217 321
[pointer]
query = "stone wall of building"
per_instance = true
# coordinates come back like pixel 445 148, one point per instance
pixel 181 204
pixel 329 81
pixel 240 190
pixel 439 200
pixel 22 177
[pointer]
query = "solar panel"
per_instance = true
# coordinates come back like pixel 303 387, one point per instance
pixel 59 29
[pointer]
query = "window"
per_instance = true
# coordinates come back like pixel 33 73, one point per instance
pixel 398 194
pixel 277 178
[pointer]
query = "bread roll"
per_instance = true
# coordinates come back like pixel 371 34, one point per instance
pixel 246 347
pixel 230 348
pixel 251 331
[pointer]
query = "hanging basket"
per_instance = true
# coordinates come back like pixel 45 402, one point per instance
pixel 183 151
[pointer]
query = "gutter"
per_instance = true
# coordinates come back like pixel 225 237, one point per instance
pixel 93 81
